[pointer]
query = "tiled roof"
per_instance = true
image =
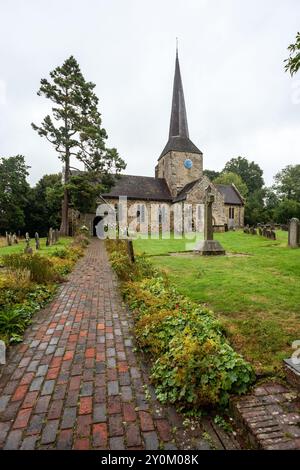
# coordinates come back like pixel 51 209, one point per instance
pixel 140 187
pixel 180 144
pixel 231 195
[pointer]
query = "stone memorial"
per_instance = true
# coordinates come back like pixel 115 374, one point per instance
pixel 37 241
pixel 209 246
pixel 294 233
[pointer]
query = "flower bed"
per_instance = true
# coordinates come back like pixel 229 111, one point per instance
pixel 193 364
pixel 28 282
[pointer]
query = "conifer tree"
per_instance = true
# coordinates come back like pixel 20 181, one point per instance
pixel 75 127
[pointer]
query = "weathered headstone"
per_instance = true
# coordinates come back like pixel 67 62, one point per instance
pixel 27 250
pixel 209 246
pixel 253 231
pixel 37 241
pixel 15 239
pixel 294 233
pixel 273 235
pixel 50 236
pixel 260 231
pixel 8 239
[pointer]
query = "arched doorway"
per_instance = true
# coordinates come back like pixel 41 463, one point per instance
pixel 95 223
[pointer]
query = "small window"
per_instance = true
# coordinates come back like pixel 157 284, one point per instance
pixel 231 212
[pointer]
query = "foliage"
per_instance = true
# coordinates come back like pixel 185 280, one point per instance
pixel 211 174
pixel 75 126
pixel 84 189
pixel 15 318
pixel 39 267
pixel 29 282
pixel 14 193
pixel 192 363
pixel 252 290
pixel 255 209
pixel 122 265
pixel 232 178
pixel 44 207
pixel 250 172
pixel 293 62
pixel 286 210
pixel 287 183
pixel 80 240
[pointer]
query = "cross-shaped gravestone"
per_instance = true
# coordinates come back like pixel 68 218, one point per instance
pixel 209 246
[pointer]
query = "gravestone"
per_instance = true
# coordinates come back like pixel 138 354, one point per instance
pixel 294 233
pixel 253 231
pixel 8 239
pixel 28 250
pixel 260 231
pixel 15 239
pixel 50 237
pixel 273 235
pixel 209 246
pixel 37 241
pixel 246 229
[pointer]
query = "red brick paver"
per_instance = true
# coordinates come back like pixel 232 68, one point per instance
pixel 76 382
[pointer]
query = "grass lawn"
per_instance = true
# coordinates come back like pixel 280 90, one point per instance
pixel 256 297
pixel 19 248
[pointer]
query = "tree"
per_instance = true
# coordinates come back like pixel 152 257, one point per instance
pixel 84 189
pixel 254 209
pixel 293 62
pixel 286 210
pixel 78 132
pixel 271 201
pixel 211 174
pixel 250 173
pixel 44 207
pixel 287 183
pixel 14 193
pixel 233 178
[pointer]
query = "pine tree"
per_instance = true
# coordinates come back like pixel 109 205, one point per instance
pixel 75 127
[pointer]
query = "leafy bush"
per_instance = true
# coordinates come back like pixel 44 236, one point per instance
pixel 15 318
pixel 60 252
pixel 80 240
pixel 192 363
pixel 124 268
pixel 40 268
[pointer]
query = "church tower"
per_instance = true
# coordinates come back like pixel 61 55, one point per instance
pixel 181 162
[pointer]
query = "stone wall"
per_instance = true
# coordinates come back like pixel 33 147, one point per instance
pixel 239 214
pixel 197 196
pixel 171 167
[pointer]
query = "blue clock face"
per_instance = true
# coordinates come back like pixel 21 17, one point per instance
pixel 188 164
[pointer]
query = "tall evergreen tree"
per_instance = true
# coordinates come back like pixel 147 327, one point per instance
pixel 75 127
pixel 14 193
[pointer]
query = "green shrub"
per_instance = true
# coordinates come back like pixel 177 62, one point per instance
pixel 60 252
pixel 15 318
pixel 40 268
pixel 192 363
pixel 80 240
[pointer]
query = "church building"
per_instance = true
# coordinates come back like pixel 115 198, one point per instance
pixel 178 176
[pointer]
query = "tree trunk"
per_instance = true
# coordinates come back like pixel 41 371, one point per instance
pixel 64 227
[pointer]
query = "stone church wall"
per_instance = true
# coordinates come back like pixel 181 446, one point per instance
pixel 171 167
pixel 197 196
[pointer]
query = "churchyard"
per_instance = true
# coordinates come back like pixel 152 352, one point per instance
pixel 252 290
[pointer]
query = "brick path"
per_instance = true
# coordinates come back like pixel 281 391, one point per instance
pixel 76 381
pixel 270 417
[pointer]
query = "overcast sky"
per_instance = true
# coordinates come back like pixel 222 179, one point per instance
pixel 239 99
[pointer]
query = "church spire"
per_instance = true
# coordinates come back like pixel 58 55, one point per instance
pixel 179 140
pixel 178 122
